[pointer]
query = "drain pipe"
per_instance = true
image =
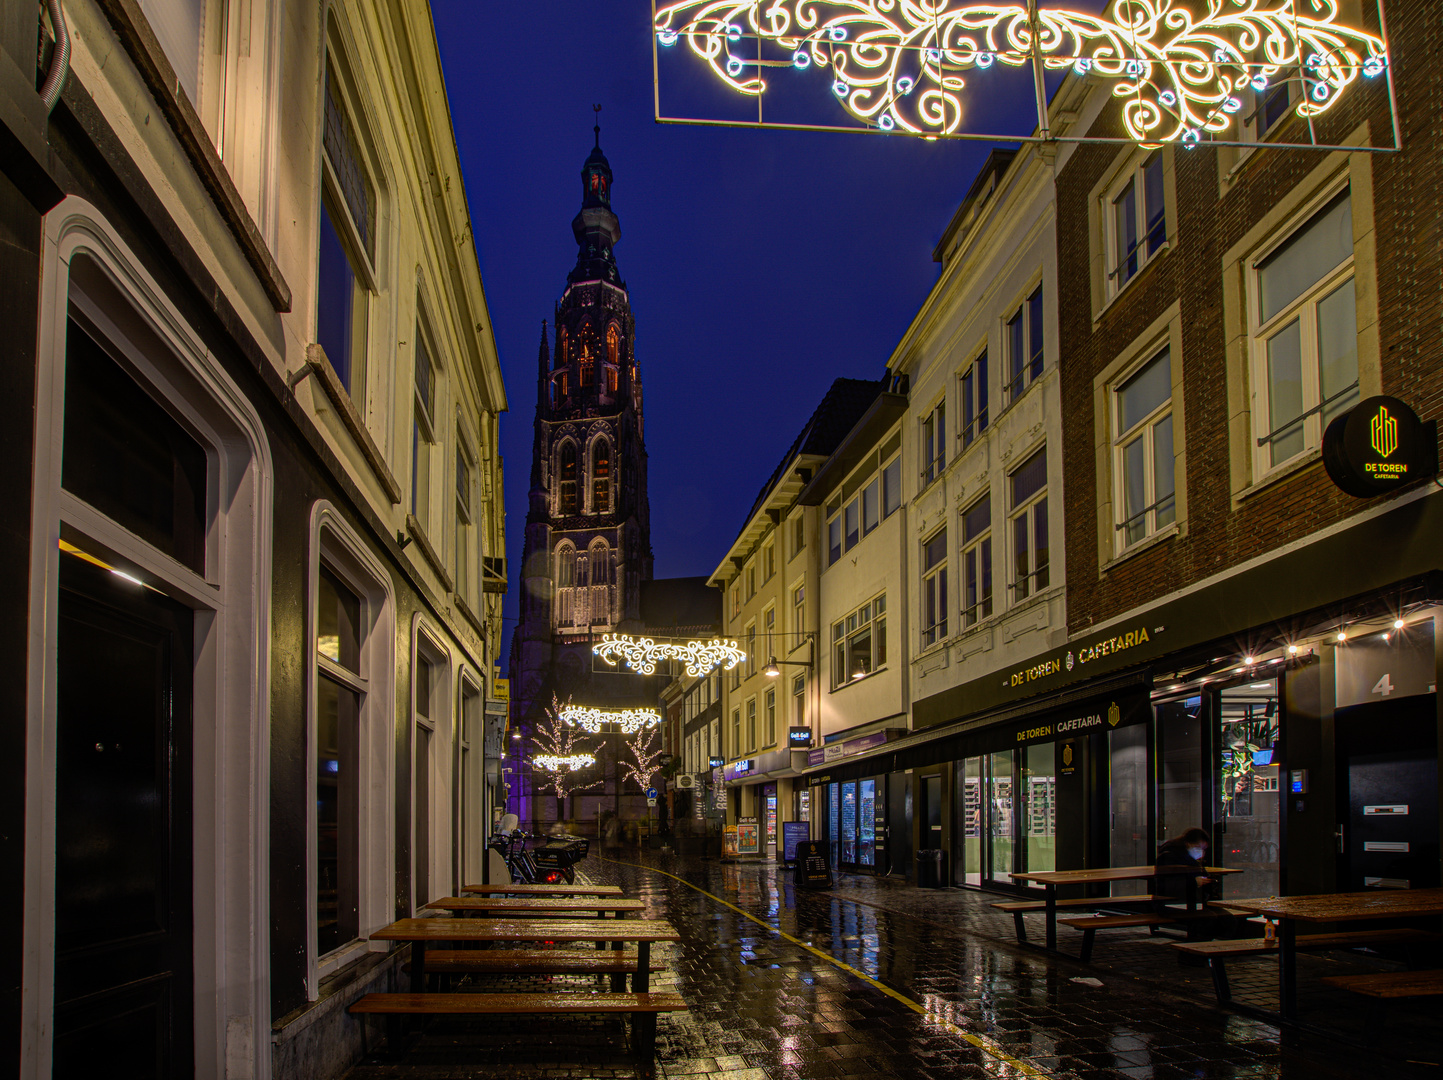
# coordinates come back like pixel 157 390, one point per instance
pixel 59 60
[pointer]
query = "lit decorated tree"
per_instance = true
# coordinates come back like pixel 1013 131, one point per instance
pixel 644 754
pixel 560 758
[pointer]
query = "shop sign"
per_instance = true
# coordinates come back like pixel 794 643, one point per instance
pixel 799 738
pixel 1078 656
pixel 739 768
pixel 836 751
pixel 1378 446
pixel 717 763
pixel 1096 715
pixel 501 689
pixel 818 781
pixel 1067 758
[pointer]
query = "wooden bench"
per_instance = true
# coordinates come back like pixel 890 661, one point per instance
pixel 1397 984
pixel 1091 924
pixel 1218 953
pixel 444 963
pixel 1018 908
pixel 642 1007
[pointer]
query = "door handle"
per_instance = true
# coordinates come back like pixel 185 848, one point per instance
pixel 1342 842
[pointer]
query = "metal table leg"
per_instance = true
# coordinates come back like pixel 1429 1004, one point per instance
pixel 418 967
pixel 1051 911
pixel 1288 969
pixel 641 981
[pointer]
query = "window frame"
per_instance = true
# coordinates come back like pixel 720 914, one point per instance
pixel 466 553
pixel 1145 428
pixel 848 629
pixel 1304 308
pixel 974 550
pixel 933 590
pixel 973 399
pixel 1135 177
pixel 769 717
pixel 1029 509
pixel 428 645
pixel 932 442
pixel 425 432
pixel 1034 354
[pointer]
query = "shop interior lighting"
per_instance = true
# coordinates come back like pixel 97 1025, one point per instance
pixel 643 654
pixel 1183 69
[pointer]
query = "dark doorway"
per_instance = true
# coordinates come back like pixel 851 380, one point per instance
pixel 123 950
pixel 1388 777
pixel 899 823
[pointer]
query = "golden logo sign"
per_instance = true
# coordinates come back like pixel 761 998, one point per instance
pixel 1384 432
pixel 1067 755
pixel 1114 715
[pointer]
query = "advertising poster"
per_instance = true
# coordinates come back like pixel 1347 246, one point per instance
pixel 748 838
pixel 729 840
pixel 794 833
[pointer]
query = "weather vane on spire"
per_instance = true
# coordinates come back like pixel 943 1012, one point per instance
pixel 597 110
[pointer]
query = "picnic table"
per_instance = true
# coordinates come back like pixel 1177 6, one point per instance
pixel 1288 911
pixel 536 906
pixel 520 889
pixel 423 932
pixel 1051 880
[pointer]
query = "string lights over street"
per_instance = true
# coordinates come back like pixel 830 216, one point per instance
pixel 643 654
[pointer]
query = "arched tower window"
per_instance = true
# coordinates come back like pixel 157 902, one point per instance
pixel 613 345
pixel 565 345
pixel 600 555
pixel 565 567
pixel 567 476
pixel 601 478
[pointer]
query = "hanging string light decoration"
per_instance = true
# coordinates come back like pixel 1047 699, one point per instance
pixel 627 721
pixel 900 65
pixel 563 763
pixel 643 654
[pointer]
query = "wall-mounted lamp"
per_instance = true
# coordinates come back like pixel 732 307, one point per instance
pixel 774 666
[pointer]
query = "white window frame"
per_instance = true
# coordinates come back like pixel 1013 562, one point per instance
pixel 974 398
pixel 466 555
pixel 1134 176
pixel 932 441
pixel 472 793
pixel 1304 307
pixel 1146 428
pixel 851 626
pixel 1023 587
pixel 1034 353
pixel 973 549
pixel 933 592
pixel 428 643
pixel 769 716
pixel 737 732
pixel 751 732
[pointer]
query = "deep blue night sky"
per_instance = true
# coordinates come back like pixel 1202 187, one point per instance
pixel 761 264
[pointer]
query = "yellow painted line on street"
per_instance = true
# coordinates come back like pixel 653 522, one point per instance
pixel 982 1042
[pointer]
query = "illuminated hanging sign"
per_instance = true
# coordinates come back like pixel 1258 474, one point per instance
pixel 799 738
pixel 559 762
pixel 1378 446
pixel 1184 70
pixel 643 654
pixel 628 721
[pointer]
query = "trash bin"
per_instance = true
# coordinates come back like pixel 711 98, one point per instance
pixel 929 868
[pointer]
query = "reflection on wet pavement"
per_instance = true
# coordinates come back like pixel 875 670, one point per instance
pixel 877 979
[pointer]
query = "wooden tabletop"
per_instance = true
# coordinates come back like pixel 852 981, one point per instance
pixel 1114 873
pixel 515 889
pixel 1342 907
pixel 536 905
pixel 561 930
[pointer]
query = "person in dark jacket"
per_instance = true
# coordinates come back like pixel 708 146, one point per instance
pixel 1175 858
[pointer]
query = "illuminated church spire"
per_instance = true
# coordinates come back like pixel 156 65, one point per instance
pixel 596 228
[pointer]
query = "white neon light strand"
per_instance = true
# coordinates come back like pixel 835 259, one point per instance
pixel 558 762
pixel 898 65
pixel 643 654
pixel 627 721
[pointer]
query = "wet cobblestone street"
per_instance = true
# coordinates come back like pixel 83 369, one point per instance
pixel 877 979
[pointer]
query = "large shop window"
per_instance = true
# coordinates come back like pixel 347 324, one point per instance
pixel 859 642
pixel 1305 334
pixel 1142 451
pixel 1030 553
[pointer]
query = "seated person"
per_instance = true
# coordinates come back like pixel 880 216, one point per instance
pixel 1174 859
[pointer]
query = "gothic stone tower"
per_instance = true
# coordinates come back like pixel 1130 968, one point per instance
pixel 588 534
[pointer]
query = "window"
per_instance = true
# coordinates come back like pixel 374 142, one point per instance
pixel 799 535
pixel 1137 221
pixel 611 377
pixel 1142 451
pixel 464 553
pixel 1305 337
pixel 1023 338
pixel 1029 526
pixel 601 477
pixel 566 500
pixel 799 610
pixel 934 436
pixel 423 432
pixel 769 714
pixel 799 700
pixel 613 345
pixel 751 723
pixel 340 691
pixel 736 600
pixel 869 498
pixel 1272 101
pixel 977 561
pixel 973 391
pixel 736 732
pixel 347 245
pixel 751 639
pixel 423 675
pixel 934 589
pixel 769 561
pixel 751 580
pixel 769 631
pixel 859 642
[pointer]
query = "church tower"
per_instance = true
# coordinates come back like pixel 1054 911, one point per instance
pixel 588 535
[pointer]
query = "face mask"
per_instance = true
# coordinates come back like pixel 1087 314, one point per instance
pixel 1197 852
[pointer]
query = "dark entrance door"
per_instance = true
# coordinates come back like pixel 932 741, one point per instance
pixel 123 952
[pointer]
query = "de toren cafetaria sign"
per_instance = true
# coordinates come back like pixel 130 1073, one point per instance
pixel 1378 446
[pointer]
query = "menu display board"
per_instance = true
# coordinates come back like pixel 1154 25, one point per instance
pixel 813 871
pixel 794 833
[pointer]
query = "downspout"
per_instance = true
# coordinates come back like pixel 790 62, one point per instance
pixel 59 59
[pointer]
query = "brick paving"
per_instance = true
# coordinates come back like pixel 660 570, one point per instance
pixel 763 1008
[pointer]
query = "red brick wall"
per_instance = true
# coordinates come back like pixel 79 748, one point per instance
pixel 1408 200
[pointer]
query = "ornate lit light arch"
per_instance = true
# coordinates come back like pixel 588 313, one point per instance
pixel 1181 67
